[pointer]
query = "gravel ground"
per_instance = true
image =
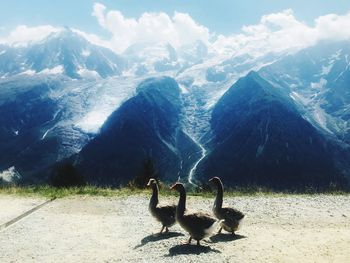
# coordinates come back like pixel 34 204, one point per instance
pixel 13 206
pixel 120 229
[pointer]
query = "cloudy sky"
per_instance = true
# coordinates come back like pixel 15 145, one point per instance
pixel 225 26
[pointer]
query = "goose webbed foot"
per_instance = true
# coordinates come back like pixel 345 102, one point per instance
pixel 233 233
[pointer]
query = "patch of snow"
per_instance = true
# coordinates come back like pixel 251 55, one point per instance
pixel 9 175
pixel 92 122
pixel 85 73
pixel 86 53
pixel 319 85
pixel 109 97
pixel 28 72
pixel 183 89
pixel 336 56
pixel 45 133
pixel 326 69
pixel 299 98
pixel 56 70
pixel 320 117
pixel 214 99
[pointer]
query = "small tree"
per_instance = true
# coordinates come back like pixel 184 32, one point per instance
pixel 148 171
pixel 66 175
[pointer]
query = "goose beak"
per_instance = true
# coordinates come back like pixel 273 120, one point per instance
pixel 172 187
pixel 211 179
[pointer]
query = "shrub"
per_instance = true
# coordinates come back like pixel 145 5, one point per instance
pixel 66 175
pixel 148 172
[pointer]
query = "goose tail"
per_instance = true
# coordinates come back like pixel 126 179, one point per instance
pixel 213 227
pixel 240 223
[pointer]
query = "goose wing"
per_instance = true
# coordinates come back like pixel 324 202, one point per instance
pixel 231 214
pixel 199 221
pixel 166 212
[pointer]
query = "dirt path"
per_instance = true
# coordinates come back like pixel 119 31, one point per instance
pixel 286 229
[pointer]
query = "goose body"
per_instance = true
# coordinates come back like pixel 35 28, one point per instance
pixel 198 225
pixel 231 218
pixel 165 214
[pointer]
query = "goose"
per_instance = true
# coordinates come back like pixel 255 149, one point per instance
pixel 198 225
pixel 165 214
pixel 231 218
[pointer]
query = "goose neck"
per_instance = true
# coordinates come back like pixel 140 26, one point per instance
pixel 154 198
pixel 181 207
pixel 219 197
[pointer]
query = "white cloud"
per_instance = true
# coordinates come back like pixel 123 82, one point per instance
pixel 22 35
pixel 333 26
pixel 149 28
pixel 275 32
pixel 282 31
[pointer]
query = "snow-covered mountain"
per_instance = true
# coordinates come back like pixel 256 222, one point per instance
pixel 56 94
pixel 318 80
pixel 64 52
pixel 259 137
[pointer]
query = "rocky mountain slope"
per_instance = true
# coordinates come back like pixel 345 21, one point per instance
pixel 147 126
pixel 258 137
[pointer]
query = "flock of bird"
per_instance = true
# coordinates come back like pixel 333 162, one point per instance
pixel 199 225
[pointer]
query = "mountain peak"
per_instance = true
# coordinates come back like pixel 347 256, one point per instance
pixel 256 77
pixel 67 34
pixel 65 50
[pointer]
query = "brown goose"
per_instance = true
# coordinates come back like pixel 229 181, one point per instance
pixel 198 225
pixel 165 214
pixel 231 218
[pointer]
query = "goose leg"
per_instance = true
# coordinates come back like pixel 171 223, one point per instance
pixel 187 241
pixel 198 243
pixel 219 232
pixel 166 229
pixel 161 231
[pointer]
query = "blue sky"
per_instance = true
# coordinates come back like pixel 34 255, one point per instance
pixel 220 16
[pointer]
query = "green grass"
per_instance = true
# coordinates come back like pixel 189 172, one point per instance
pixel 52 192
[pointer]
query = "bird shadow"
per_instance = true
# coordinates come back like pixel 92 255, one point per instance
pixel 187 249
pixel 225 238
pixel 157 237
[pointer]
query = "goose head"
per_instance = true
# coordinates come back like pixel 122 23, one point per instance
pixel 215 181
pixel 152 182
pixel 178 187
